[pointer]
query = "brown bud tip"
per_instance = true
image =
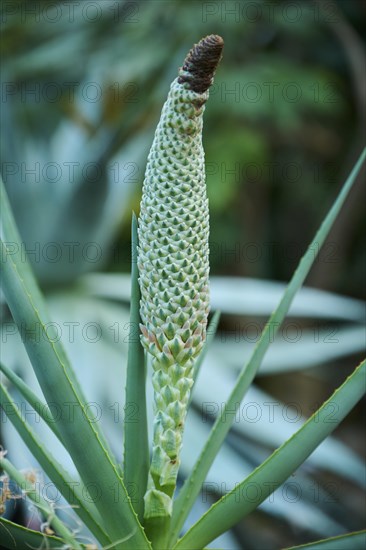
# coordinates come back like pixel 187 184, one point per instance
pixel 201 62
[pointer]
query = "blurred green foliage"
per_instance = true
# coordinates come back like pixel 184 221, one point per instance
pixel 85 82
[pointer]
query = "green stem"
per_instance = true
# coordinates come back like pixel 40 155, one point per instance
pixel 157 531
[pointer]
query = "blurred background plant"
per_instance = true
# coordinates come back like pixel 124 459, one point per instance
pixel 83 85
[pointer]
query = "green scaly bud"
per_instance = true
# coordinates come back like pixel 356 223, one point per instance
pixel 173 262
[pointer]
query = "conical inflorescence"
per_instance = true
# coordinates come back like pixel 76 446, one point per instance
pixel 173 262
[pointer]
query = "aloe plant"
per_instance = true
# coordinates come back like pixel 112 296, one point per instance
pixel 170 293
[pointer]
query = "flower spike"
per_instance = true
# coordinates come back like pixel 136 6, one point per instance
pixel 173 262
